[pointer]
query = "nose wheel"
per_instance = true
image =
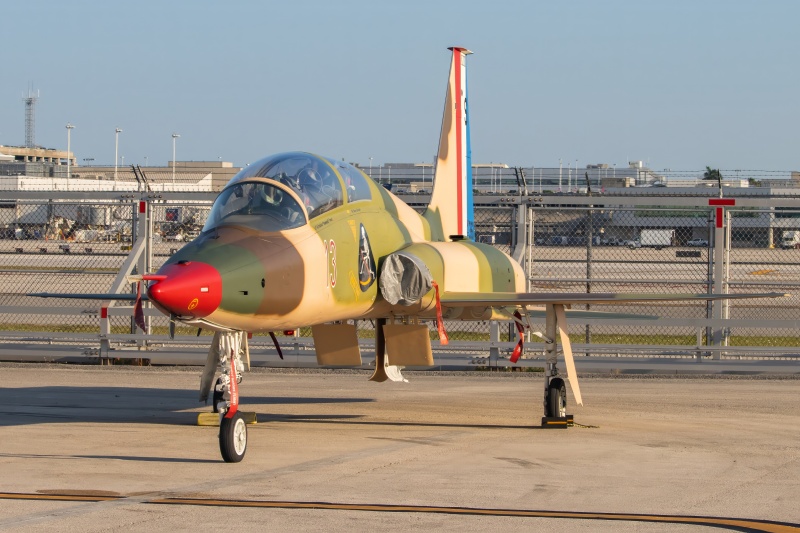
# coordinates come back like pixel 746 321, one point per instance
pixel 232 426
pixel 233 438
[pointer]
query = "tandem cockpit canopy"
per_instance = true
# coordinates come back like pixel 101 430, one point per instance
pixel 282 192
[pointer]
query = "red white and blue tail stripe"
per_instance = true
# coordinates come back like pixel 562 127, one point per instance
pixel 451 207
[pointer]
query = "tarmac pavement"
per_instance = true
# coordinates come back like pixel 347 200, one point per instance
pixel 335 452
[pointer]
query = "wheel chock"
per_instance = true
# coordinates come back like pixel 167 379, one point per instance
pixel 559 422
pixel 212 419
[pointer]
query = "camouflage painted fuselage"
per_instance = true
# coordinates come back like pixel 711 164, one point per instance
pixel 319 272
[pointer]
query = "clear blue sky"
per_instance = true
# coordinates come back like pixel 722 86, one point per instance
pixel 680 84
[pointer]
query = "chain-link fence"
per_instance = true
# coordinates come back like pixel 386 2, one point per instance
pixel 613 245
pixel 672 250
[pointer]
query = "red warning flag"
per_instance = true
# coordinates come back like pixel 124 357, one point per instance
pixel 439 321
pixel 515 355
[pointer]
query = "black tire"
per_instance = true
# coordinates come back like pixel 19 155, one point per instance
pixel 216 395
pixel 556 400
pixel 233 438
pixel 215 399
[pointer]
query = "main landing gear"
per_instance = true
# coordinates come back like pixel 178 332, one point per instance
pixel 555 390
pixel 555 401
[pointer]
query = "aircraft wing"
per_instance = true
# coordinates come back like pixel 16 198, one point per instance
pixel 561 299
pixel 580 314
pixel 523 299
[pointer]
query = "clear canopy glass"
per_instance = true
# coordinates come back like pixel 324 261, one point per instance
pixel 256 204
pixel 312 178
pixel 320 183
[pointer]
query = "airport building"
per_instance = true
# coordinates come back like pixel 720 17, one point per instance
pixel 500 178
pixel 40 169
pixel 27 164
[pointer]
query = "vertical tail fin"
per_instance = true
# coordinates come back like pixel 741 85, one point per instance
pixel 451 209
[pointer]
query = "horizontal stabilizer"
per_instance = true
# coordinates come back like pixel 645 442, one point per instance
pixel 87 296
pixel 507 299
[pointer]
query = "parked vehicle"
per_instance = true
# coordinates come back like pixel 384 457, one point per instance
pixel 657 238
pixel 633 244
pixel 697 242
pixel 791 239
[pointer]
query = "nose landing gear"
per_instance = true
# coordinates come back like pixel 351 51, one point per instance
pixel 226 351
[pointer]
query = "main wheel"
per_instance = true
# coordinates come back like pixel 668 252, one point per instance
pixel 556 400
pixel 233 438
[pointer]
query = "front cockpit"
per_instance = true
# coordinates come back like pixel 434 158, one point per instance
pixel 257 204
pixel 280 192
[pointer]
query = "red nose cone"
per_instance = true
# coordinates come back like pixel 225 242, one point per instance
pixel 188 289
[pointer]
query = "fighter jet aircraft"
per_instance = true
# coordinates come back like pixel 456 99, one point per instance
pixel 297 239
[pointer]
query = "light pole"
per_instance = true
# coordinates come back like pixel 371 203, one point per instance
pixel 174 138
pixel 116 150
pixel 370 167
pixel 69 130
pixel 559 174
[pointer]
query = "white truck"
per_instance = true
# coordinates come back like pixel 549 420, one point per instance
pixel 657 238
pixel 790 239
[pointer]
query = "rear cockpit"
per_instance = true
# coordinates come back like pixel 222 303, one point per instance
pixel 284 191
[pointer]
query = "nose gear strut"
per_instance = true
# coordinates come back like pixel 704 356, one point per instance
pixel 227 349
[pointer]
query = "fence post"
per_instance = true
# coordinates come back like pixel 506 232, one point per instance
pixel 726 310
pixel 144 231
pixel 710 277
pixel 719 276
pixel 519 237
pixel 590 237
pixel 494 338
pixel 530 242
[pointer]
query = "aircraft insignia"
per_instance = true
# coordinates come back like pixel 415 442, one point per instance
pixel 366 262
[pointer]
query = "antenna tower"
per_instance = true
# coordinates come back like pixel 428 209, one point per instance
pixel 30 118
